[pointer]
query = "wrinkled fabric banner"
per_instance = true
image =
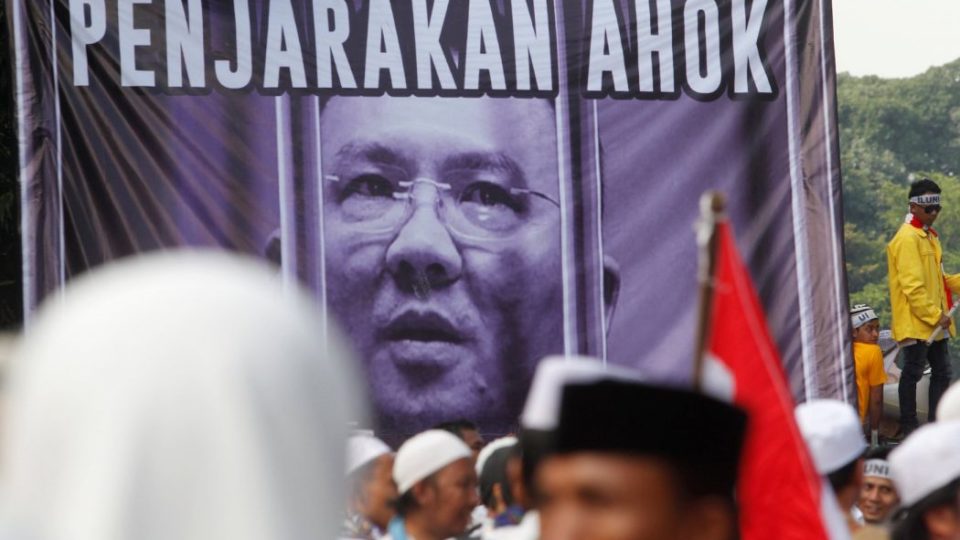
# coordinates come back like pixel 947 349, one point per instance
pixel 466 186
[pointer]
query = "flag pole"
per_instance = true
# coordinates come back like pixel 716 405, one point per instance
pixel 939 330
pixel 712 207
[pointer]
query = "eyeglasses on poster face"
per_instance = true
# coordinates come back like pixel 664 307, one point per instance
pixel 478 205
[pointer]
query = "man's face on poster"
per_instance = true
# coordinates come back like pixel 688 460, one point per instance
pixel 442 241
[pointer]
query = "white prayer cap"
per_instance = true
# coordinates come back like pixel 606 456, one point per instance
pixel 489 449
pixel 362 449
pixel 542 409
pixel 861 314
pixel 926 461
pixel 831 429
pixel 424 454
pixel 165 383
pixel 949 407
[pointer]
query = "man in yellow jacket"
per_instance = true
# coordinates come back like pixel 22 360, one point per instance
pixel 920 296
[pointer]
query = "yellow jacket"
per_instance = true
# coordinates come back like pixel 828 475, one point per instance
pixel 916 280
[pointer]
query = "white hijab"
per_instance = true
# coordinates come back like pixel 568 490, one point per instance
pixel 179 396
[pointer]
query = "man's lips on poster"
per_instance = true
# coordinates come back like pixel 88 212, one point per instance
pixel 424 340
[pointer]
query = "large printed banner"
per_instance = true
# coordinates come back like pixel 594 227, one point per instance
pixel 466 185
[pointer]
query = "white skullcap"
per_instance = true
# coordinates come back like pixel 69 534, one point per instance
pixel 542 408
pixel 926 461
pixel 831 429
pixel 861 314
pixel 949 407
pixel 716 379
pixel 424 454
pixel 362 449
pixel 488 450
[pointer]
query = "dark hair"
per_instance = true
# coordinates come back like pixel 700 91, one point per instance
pixel 407 502
pixel 880 452
pixel 842 477
pixel 494 473
pixel 457 427
pixel 923 185
pixel 909 524
pixel 534 447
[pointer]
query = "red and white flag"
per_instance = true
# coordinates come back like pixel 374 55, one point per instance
pixel 779 492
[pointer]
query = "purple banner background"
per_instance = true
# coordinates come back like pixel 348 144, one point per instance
pixel 109 171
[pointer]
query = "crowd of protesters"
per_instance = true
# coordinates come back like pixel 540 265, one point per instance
pixel 606 455
pixel 188 395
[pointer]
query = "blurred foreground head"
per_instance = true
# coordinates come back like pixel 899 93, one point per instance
pixel 372 490
pixel 949 407
pixel 926 472
pixel 623 459
pixel 878 498
pixel 182 395
pixel 834 437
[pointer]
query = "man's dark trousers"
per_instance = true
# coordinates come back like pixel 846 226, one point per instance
pixel 915 358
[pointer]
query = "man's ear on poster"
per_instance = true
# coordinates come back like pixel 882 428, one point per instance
pixel 271 248
pixel 611 274
pixel 611 287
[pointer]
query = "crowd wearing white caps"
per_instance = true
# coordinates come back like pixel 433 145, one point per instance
pixel 195 408
pixel 909 491
pixel 906 491
pixel 586 435
pixel 188 395
pixel 572 442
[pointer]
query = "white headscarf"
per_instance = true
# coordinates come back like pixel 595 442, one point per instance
pixel 178 396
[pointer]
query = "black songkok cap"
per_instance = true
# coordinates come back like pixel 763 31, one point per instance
pixel 701 436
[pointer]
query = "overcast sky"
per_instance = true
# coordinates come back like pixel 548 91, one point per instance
pixel 895 38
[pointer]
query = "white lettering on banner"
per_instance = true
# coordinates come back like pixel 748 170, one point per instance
pixel 130 39
pixel 650 41
pixel 606 49
pixel 430 56
pixel 283 47
pixel 241 76
pixel 83 34
pixel 331 22
pixel 703 79
pixel 185 41
pixel 633 49
pixel 383 47
pixel 483 48
pixel 531 44
pixel 697 32
pixel 746 51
